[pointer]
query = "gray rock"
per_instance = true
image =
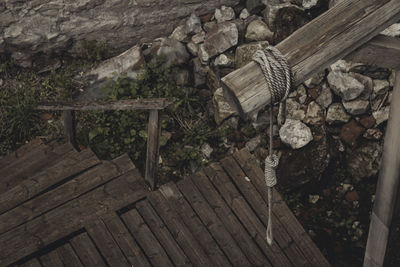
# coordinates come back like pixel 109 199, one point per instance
pixel 182 77
pixel 368 85
pixel 295 134
pixel 203 54
pixel 373 134
pixel 193 24
pixel 179 33
pixel 253 143
pixel 22 59
pixel 393 30
pixel 174 51
pixel 357 107
pixel 337 114
pixel 199 73
pixel 192 48
pixel 208 26
pixel 340 66
pixel 364 161
pixel 206 150
pixel 244 14
pixel 314 115
pixel 222 37
pixel 222 108
pixel 199 37
pixel 325 97
pixel 224 61
pixel 258 31
pixel 345 85
pixel 232 122
pixel 254 6
pixel 307 4
pixel 244 52
pixel 315 80
pixel 301 94
pixel 381 115
pixel 294 110
pixel 224 14
pixel 381 86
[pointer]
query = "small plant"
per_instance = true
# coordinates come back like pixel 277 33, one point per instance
pixel 94 51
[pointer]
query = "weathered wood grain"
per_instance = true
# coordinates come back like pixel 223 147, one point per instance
pixel 86 251
pixel 193 222
pixel 31 263
pixel 160 231
pixel 139 229
pixel 179 230
pixel 72 164
pixel 70 217
pixel 130 104
pixel 153 146
pixel 72 189
pixel 68 256
pixel 388 186
pixel 256 176
pixel 20 152
pixel 315 46
pixel 70 127
pixel 51 259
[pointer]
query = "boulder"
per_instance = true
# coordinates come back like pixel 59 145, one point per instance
pixel 244 52
pixel 295 134
pixel 364 161
pixel 345 85
pixel 220 38
pixel 222 108
pixel 224 14
pixel 337 114
pixel 258 31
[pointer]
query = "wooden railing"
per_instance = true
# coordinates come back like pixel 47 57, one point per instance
pixel 154 128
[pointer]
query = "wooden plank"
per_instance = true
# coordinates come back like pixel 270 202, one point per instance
pixel 382 51
pixel 130 104
pixel 70 217
pixel 260 206
pixel 139 229
pixel 20 152
pixel 194 224
pixel 106 244
pixel 86 251
pixel 69 127
pixel 388 186
pixel 68 256
pixel 72 164
pixel 160 230
pixel 179 230
pixel 213 223
pixel 231 222
pixel 245 214
pixel 13 175
pixel 125 241
pixel 72 189
pixel 312 48
pixel 51 259
pixel 31 263
pixel 256 176
pixel 153 146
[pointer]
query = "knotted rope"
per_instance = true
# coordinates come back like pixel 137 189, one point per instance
pixel 278 77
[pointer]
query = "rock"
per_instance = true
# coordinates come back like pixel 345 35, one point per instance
pixel 315 80
pixel 313 199
pixel 315 114
pixel 244 52
pixel 352 196
pixel 212 80
pixel 232 122
pixel 22 59
pixel 199 37
pixel 325 97
pixel 206 150
pixel 193 24
pixel 381 115
pixel 224 14
pixel 294 110
pixel 222 109
pixel 307 4
pixel 192 48
pixel 222 37
pixel 253 143
pixel 208 26
pixel 337 114
pixel 301 94
pixel 179 33
pixel 381 86
pixel 340 66
pixel 203 54
pixel 295 134
pixel 345 85
pixel 174 51
pixel 373 134
pixel 244 14
pixel 393 30
pixel 350 132
pixel 372 71
pixel 255 6
pixel 199 72
pixel 367 121
pixel 364 161
pixel 392 78
pixel 368 85
pixel 258 31
pixel 182 77
pixel 224 61
pixel 356 107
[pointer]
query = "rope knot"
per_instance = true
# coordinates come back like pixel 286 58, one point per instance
pixel 271 163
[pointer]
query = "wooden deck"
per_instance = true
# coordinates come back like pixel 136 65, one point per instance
pixel 60 207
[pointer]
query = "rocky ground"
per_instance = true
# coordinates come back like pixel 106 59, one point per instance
pixel 331 143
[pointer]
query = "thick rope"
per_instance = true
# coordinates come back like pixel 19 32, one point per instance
pixel 278 77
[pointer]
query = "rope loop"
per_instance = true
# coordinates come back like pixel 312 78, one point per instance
pixel 271 163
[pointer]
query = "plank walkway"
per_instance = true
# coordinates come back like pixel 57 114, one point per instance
pixel 60 207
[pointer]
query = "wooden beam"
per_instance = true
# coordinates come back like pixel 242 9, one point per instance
pixel 69 127
pixel 155 103
pixel 153 141
pixel 312 48
pixel 388 185
pixel 382 51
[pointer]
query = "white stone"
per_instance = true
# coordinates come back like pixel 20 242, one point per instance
pixel 295 134
pixel 301 94
pixel 325 97
pixel 381 86
pixel 244 14
pixel 393 30
pixel 203 54
pixel 313 198
pixel 294 110
pixel 199 37
pixel 224 14
pixel 307 4
pixel 222 108
pixel 223 61
pixel 314 115
pixel 339 66
pixel 345 85
pixel 337 114
pixel 193 24
pixel 179 33
pixel 257 30
pixel 206 150
pixel 381 115
pixel 192 48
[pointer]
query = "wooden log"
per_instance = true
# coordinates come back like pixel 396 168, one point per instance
pixel 153 145
pixel 315 46
pixel 69 127
pixel 388 185
pixel 382 51
pixel 86 250
pixel 130 104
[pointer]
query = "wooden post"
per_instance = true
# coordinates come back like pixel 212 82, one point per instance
pixel 153 144
pixel 69 127
pixel 388 185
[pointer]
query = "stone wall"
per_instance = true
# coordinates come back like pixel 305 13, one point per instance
pixel 34 27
